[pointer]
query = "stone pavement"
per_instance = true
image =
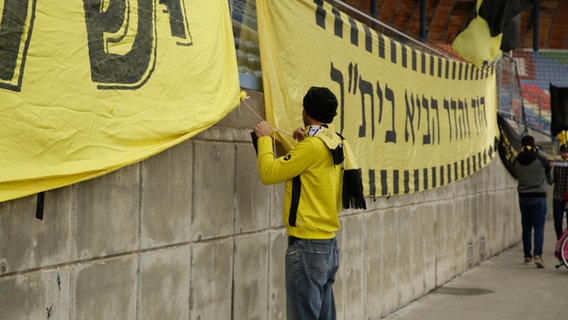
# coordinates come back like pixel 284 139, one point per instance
pixel 500 288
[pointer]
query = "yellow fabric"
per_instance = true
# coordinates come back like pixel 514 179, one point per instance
pixel 475 43
pixel 414 121
pixel 320 197
pixel 85 99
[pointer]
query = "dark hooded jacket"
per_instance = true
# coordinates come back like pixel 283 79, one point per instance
pixel 533 172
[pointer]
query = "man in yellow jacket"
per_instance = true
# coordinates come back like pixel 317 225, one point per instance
pixel 314 172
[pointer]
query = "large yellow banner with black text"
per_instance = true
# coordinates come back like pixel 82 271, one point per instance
pixel 415 121
pixel 87 87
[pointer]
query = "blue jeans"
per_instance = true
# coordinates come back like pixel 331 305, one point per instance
pixel 311 266
pixel 533 216
pixel 558 214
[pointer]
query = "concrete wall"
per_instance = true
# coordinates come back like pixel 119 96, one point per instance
pixel 192 234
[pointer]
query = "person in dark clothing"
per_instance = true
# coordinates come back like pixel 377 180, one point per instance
pixel 560 188
pixel 533 172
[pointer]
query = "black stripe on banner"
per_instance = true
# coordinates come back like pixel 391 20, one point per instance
pixel 406 181
pixel 395 184
pixel 441 175
pixel 414 58
pixel 439 67
pixel 462 169
pixel 433 177
pixel 468 166
pixel 425 175
pixel 454 67
pixel 338 26
pixel 403 51
pixel 447 69
pixel 354 32
pixel 456 176
pixel 416 180
pixel 368 39
pixel 449 172
pixel 320 13
pixel 477 74
pixel 461 70
pixel 479 160
pixel 432 65
pixel 423 62
pixel 393 51
pixel 474 160
pixel 381 47
pixel 384 183
pixel 372 184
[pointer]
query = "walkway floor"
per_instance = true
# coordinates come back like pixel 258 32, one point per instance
pixel 500 288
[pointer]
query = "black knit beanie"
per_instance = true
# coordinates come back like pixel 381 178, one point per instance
pixel 528 141
pixel 321 104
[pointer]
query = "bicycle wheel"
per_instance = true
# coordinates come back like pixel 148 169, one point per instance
pixel 564 252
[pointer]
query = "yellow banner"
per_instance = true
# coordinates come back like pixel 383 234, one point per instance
pixel 415 121
pixel 88 87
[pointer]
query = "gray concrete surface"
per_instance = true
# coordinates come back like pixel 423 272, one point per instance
pixel 192 233
pixel 501 287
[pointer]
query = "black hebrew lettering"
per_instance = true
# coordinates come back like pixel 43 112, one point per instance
pixel 447 108
pixel 409 119
pixel 391 134
pixel 110 25
pixel 466 119
pixel 454 107
pixel 426 138
pixel 473 107
pixel 380 98
pixel 413 120
pixel 179 27
pixel 337 76
pixel 460 118
pixel 483 111
pixel 13 33
pixel 366 88
pixel 435 121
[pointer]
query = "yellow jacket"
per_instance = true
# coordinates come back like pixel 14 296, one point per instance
pixel 313 186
